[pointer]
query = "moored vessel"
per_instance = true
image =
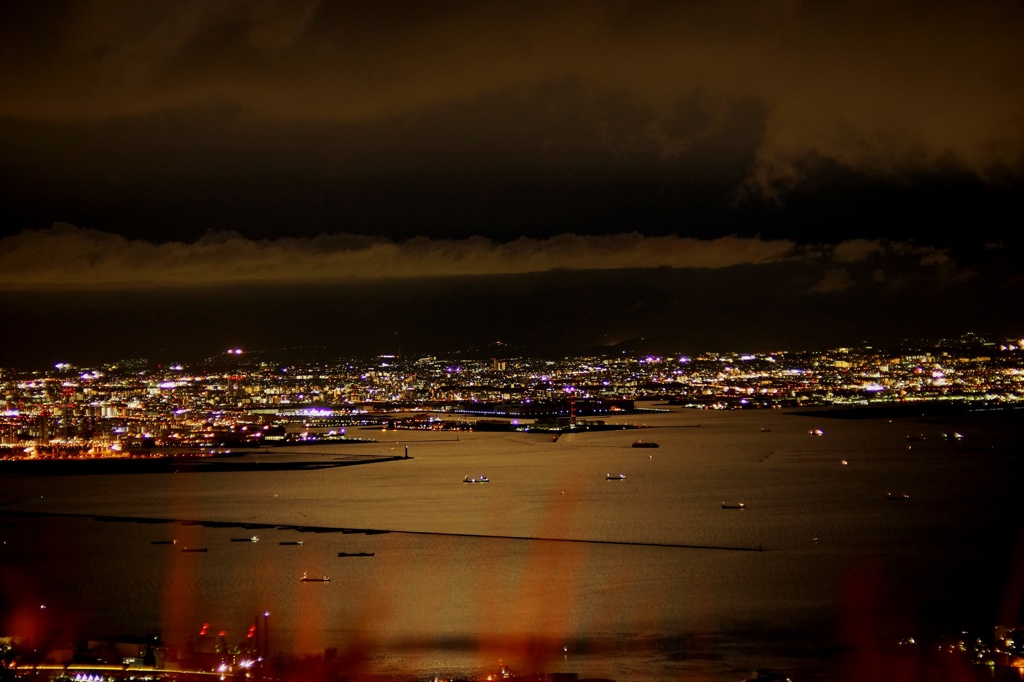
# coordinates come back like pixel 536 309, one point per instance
pixel 315 579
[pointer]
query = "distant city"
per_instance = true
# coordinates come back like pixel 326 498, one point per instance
pixel 147 412
pixel 244 400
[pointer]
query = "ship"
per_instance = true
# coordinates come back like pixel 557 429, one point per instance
pixel 737 505
pixel 321 579
pixel 645 444
pixel 345 554
pixel 615 477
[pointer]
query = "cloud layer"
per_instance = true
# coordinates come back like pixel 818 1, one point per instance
pixel 68 256
pixel 880 87
pixel 65 255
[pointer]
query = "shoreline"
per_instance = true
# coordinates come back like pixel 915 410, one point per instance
pixel 87 467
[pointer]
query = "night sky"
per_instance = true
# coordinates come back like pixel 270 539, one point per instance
pixel 177 178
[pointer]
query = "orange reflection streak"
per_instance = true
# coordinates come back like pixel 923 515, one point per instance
pixel 179 602
pixel 25 622
pixel 548 600
pixel 864 615
pixel 25 609
pixel 354 657
pixel 309 630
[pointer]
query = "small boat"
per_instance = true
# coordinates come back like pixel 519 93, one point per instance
pixel 897 497
pixel 481 479
pixel 737 505
pixel 193 549
pixel 164 542
pixel 615 477
pixel 254 538
pixel 645 444
pixel 290 542
pixel 321 579
pixel 344 554
pixel 916 437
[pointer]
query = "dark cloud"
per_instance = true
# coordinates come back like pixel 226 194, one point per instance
pixel 877 87
pixel 539 162
pixel 66 256
pixel 770 159
pixel 547 161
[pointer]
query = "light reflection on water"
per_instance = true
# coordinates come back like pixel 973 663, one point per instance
pixel 836 551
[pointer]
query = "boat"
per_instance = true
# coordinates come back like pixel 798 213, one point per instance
pixel 897 497
pixel 645 444
pixel 321 579
pixel 615 477
pixel 344 554
pixel 737 505
pixel 164 542
pixel 290 542
pixel 193 549
pixel 481 479
pixel 254 538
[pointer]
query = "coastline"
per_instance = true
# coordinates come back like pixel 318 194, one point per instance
pixel 126 465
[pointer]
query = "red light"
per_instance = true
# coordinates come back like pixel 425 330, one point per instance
pixel 223 632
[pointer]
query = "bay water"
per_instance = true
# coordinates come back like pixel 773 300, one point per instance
pixel 818 570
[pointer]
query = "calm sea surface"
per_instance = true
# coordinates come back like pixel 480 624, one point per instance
pixel 843 575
